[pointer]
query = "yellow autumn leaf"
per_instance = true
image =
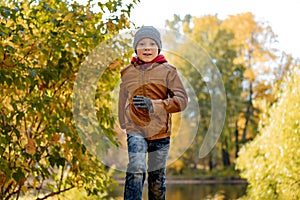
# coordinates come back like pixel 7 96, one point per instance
pixel 35 183
pixel 30 146
pixel 249 74
pixel 68 17
pixel 55 138
pixel 24 188
pixel 78 29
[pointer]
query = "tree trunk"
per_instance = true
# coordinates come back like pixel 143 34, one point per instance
pixel 212 159
pixel 248 113
pixel 225 153
pixel 236 135
pixel 226 157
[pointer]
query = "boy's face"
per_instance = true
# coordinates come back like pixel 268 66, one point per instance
pixel 147 49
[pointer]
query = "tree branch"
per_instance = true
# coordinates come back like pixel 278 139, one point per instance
pixel 55 193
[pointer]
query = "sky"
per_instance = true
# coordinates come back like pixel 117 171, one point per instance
pixel 282 15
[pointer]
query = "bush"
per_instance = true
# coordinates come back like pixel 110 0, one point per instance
pixel 271 162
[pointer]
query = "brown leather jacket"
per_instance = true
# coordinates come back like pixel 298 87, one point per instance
pixel 160 83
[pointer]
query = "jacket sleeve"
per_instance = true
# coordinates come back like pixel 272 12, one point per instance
pixel 178 97
pixel 121 105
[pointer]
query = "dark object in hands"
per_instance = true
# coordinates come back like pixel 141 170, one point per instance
pixel 143 103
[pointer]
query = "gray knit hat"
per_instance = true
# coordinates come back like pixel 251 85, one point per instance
pixel 147 32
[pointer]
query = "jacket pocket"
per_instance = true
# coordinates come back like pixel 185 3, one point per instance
pixel 158 120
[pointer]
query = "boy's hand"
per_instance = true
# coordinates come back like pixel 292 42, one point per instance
pixel 143 103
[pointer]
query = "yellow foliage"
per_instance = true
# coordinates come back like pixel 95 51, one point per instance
pixel 271 162
pixel 177 166
pixel 242 25
pixel 241 121
pixel 68 16
pixel 43 44
pixel 208 24
pixel 30 146
pixel 55 137
pixel 249 74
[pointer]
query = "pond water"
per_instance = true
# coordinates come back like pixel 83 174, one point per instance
pixel 194 191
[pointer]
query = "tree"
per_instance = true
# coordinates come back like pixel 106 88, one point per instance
pixel 271 162
pixel 241 48
pixel 43 44
pixel 209 33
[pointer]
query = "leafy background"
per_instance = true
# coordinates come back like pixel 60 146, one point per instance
pixel 43 45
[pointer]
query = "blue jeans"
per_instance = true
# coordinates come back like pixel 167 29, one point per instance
pixel 157 150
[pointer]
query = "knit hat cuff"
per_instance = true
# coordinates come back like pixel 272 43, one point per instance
pixel 147 32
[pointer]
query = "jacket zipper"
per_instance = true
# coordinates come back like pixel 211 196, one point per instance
pixel 143 83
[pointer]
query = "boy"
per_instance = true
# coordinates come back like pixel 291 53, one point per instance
pixel 149 92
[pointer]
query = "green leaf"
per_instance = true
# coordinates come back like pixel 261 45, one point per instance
pixel 18 175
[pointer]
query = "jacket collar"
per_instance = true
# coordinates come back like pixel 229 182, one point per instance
pixel 159 59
